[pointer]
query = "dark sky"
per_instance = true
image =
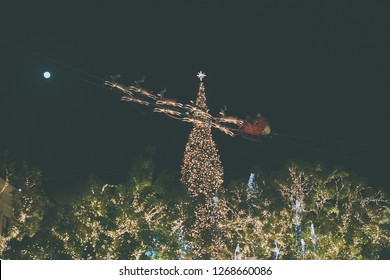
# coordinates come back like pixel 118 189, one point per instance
pixel 317 72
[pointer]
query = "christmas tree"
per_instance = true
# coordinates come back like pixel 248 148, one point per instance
pixel 202 173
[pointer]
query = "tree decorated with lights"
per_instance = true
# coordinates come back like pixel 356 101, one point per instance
pixel 124 221
pixel 26 237
pixel 308 212
pixel 202 173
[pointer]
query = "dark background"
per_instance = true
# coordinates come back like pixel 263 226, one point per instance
pixel 318 72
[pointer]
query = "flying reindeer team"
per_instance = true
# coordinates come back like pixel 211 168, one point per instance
pixel 249 128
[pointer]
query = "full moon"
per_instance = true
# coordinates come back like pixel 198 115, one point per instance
pixel 46 75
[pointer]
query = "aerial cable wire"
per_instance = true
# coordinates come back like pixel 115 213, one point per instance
pixel 100 85
pixel 51 59
pixel 99 81
pixel 329 140
pixel 330 153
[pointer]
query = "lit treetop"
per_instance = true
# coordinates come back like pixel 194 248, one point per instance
pixel 202 170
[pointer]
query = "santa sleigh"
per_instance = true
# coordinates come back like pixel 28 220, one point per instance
pixel 254 129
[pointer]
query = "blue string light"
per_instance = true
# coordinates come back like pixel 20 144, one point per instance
pixel 251 182
pixel 181 241
pixel 303 246
pixel 152 252
pixel 251 188
pixel 237 253
pixel 276 251
pixel 297 220
pixel 313 237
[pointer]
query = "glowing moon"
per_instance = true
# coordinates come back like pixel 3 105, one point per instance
pixel 46 75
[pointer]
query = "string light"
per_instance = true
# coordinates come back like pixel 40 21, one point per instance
pixel 202 172
pixel 276 251
pixel 251 188
pixel 237 253
pixel 251 182
pixel 297 220
pixel 303 250
pixel 313 237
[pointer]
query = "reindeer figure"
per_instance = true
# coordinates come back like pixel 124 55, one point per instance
pixel 114 84
pixel 145 92
pixel 135 100
pixel 167 101
pixel 148 94
pixel 167 111
pixel 224 129
pixel 228 119
pixel 137 85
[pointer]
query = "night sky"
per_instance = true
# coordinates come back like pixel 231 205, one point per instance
pixel 318 72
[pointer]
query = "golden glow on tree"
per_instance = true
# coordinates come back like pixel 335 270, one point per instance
pixel 202 172
pixel 350 219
